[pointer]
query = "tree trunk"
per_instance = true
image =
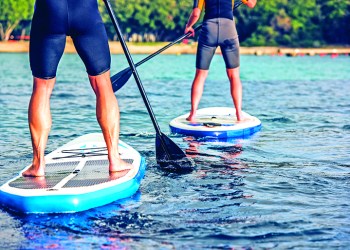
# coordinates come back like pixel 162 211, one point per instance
pixel 2 33
pixel 23 34
pixel 9 29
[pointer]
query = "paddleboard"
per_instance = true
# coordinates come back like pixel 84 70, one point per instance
pixel 216 122
pixel 76 178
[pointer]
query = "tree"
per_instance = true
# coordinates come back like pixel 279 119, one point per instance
pixel 270 23
pixel 335 19
pixel 144 16
pixel 281 22
pixel 11 13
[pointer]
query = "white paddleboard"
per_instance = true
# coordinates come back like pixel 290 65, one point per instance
pixel 76 178
pixel 216 122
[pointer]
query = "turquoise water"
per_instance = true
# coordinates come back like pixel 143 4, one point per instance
pixel 287 187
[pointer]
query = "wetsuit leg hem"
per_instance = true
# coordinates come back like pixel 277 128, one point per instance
pixel 233 67
pixel 202 68
pixel 44 77
pixel 102 72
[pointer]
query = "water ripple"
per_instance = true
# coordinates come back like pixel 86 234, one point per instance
pixel 287 187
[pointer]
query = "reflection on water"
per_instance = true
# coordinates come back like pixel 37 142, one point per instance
pixel 198 148
pixel 284 188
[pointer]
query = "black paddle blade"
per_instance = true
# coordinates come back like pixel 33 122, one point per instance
pixel 170 157
pixel 119 79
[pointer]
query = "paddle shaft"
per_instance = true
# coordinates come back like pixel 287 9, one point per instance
pixel 167 46
pixel 118 80
pixel 134 71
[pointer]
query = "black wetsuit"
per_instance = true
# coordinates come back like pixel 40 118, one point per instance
pixel 53 20
pixel 218 29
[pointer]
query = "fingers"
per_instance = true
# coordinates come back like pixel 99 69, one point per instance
pixel 190 30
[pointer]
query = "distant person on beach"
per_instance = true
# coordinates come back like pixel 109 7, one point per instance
pixel 218 29
pixel 53 20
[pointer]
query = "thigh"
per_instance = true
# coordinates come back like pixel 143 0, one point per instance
pixel 204 56
pixel 93 49
pixel 207 44
pixel 47 38
pixel 230 53
pixel 229 43
pixel 45 54
pixel 90 38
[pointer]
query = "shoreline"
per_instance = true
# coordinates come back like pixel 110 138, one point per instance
pixel 181 48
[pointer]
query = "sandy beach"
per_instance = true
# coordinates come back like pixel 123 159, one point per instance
pixel 181 48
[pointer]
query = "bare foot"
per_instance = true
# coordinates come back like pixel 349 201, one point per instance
pixel 117 175
pixel 190 118
pixel 119 165
pixel 243 119
pixel 239 116
pixel 34 172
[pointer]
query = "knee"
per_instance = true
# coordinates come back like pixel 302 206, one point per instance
pixel 233 73
pixel 101 83
pixel 201 73
pixel 43 85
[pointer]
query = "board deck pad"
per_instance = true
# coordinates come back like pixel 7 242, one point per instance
pixel 95 172
pixel 211 121
pixel 216 122
pixel 76 178
pixel 54 173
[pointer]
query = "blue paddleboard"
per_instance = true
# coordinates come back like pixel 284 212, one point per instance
pixel 216 122
pixel 76 178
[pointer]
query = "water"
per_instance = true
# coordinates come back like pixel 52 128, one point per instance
pixel 287 187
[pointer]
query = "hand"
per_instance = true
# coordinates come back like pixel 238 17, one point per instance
pixel 189 29
pixel 249 3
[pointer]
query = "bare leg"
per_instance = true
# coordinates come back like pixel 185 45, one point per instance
pixel 236 90
pixel 107 112
pixel 39 118
pixel 196 92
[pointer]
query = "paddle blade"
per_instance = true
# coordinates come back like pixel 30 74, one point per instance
pixel 118 80
pixel 170 157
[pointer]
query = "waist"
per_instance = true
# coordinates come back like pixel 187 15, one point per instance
pixel 213 15
pixel 52 5
pixel 220 20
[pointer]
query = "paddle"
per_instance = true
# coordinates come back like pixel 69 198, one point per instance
pixel 118 80
pixel 169 156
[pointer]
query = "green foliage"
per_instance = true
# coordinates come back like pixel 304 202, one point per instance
pixel 270 23
pixel 11 13
pixel 281 22
pixel 335 18
pixel 147 16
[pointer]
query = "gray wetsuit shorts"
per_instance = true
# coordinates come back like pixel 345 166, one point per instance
pixel 218 32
